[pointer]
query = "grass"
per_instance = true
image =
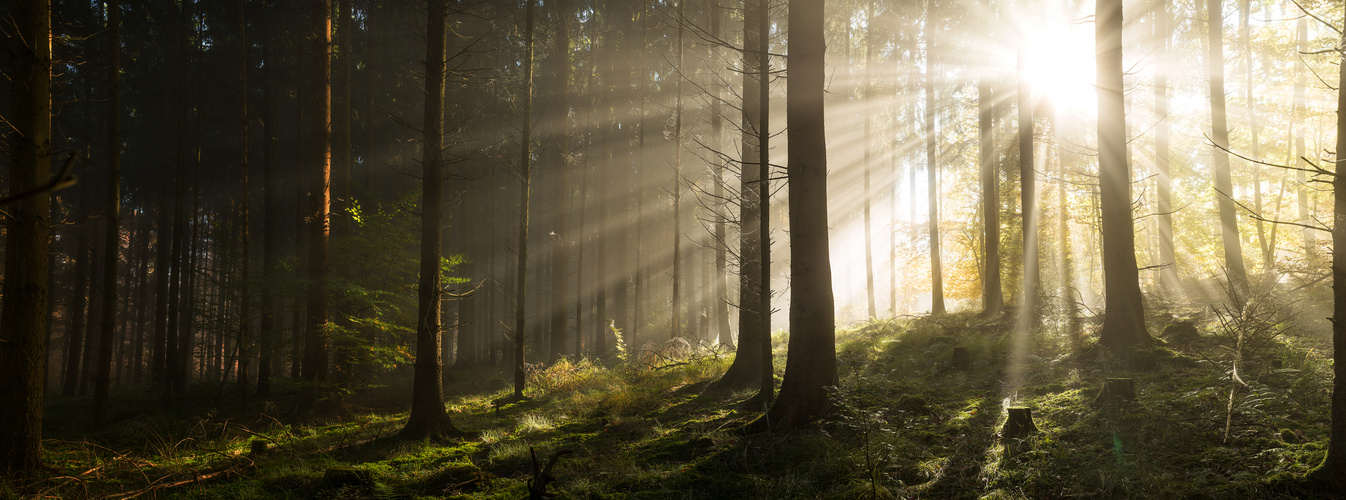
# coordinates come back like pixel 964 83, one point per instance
pixel 905 425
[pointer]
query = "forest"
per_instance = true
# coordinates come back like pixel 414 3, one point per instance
pixel 349 249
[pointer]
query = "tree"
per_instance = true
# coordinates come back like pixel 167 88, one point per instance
pixel 244 309
pixel 870 34
pixel 676 315
pixel 932 166
pixel 1168 275
pixel 1330 476
pixel 1124 324
pixel 747 367
pixel 112 239
pixel 559 128
pixel 1027 194
pixel 23 316
pixel 993 298
pixel 525 191
pixel 428 418
pixel 1224 187
pixel 811 365
pixel 320 178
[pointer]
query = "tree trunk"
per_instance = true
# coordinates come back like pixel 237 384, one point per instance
pixel 23 323
pixel 993 298
pixel 74 345
pixel 1331 475
pixel 1124 324
pixel 525 192
pixel 721 291
pixel 811 364
pixel 766 380
pixel 245 231
pixel 870 34
pixel 320 176
pixel 112 240
pixel 676 313
pixel 559 123
pixel 1308 236
pixel 428 418
pixel 747 366
pixel 1168 275
pixel 932 167
pixel 271 216
pixel 1229 231
pixel 1028 196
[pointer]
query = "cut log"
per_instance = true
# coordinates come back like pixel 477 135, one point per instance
pixel 961 360
pixel 1116 390
pixel 1019 424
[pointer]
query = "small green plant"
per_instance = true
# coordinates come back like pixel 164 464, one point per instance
pixel 872 428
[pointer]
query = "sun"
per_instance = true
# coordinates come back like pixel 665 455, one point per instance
pixel 1059 64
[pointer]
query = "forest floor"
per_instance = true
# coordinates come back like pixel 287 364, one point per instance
pixel 907 425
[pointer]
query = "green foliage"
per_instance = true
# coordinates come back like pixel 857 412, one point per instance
pixel 905 425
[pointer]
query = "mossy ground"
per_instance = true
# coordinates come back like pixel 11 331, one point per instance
pixel 906 426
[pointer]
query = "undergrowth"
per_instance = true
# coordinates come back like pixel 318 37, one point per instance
pixel 907 423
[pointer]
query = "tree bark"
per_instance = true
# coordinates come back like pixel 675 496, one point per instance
pixel 23 322
pixel 810 366
pixel 1229 231
pixel 1124 324
pixel 747 366
pixel 112 239
pixel 559 123
pixel 870 34
pixel 1168 275
pixel 428 418
pixel 993 298
pixel 320 176
pixel 1028 195
pixel 932 167
pixel 525 192
pixel 1331 475
pixel 245 231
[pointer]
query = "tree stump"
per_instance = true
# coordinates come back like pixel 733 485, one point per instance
pixel 1019 423
pixel 1116 390
pixel 961 360
pixel 257 447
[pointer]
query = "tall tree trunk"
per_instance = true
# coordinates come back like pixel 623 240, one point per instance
pixel 1229 231
pixel 721 296
pixel 676 313
pixel 78 301
pixel 320 176
pixel 747 366
pixel 525 192
pixel 244 312
pixel 1124 324
pixel 23 323
pixel 1308 236
pixel 560 139
pixel 767 379
pixel 870 34
pixel 271 189
pixel 112 239
pixel 811 365
pixel 428 418
pixel 1168 275
pixel 993 298
pixel 1331 475
pixel 1028 195
pixel 932 167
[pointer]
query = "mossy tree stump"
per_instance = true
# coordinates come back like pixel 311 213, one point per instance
pixel 1116 391
pixel 961 360
pixel 1019 424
